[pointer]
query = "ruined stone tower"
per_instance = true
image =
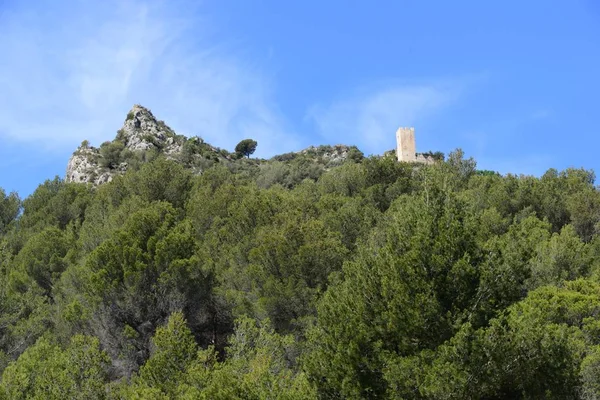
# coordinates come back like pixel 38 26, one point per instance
pixel 405 145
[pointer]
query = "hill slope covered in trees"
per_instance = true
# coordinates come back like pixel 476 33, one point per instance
pixel 289 280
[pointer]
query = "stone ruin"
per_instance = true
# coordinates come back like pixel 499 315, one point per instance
pixel 406 150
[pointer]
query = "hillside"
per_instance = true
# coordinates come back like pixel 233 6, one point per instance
pixel 165 268
pixel 143 138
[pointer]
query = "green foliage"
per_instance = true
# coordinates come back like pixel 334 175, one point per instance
pixel 138 277
pixel 162 180
pixel 42 260
pixel 301 277
pixel 45 371
pixel 355 155
pixel 173 352
pixel 258 367
pixel 55 203
pixel 246 147
pixel 396 296
pixel 111 154
pixel 534 350
pixel 290 265
pixel 24 317
pixel 563 258
pixel 437 156
pixel 347 180
pixel 10 206
pixel 487 172
pixel 590 371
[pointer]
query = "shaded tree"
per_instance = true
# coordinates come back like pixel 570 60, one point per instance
pixel 45 371
pixel 10 206
pixel 246 147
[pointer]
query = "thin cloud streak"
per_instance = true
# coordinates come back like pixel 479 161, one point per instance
pixel 73 73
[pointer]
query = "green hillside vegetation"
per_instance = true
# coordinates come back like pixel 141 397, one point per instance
pixel 302 278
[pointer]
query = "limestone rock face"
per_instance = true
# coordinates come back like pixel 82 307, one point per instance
pixel 141 132
pixel 83 167
pixel 329 154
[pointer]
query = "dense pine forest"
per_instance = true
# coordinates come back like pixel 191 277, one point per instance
pixel 290 279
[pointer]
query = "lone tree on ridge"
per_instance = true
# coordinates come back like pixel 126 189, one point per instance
pixel 246 147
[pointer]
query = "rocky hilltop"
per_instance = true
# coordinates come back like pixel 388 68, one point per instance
pixel 143 138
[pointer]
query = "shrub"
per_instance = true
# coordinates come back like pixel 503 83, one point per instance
pixel 111 154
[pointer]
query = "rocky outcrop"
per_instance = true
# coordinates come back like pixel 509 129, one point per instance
pixel 83 166
pixel 141 132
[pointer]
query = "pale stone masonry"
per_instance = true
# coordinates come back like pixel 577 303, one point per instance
pixel 406 150
pixel 405 145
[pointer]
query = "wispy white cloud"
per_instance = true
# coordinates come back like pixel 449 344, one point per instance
pixel 370 117
pixel 72 72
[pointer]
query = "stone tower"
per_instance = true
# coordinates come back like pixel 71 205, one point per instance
pixel 405 145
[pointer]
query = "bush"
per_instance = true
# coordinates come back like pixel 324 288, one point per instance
pixel 110 153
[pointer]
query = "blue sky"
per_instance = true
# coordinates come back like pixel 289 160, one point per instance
pixel 512 83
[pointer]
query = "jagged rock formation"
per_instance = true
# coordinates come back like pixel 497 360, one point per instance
pixel 141 137
pixel 141 131
pixel 83 166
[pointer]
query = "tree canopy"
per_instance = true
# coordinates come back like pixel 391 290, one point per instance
pixel 246 147
pixel 296 279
